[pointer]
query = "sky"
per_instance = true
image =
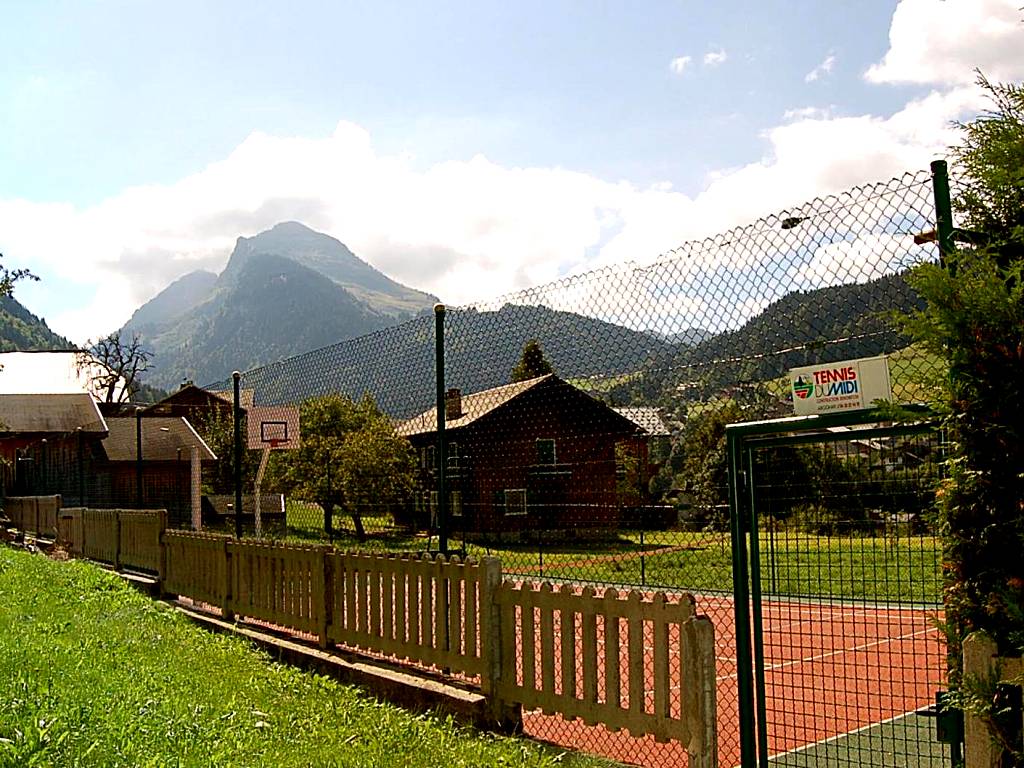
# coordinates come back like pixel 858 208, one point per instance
pixel 469 149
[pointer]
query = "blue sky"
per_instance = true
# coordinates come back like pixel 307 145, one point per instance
pixel 467 148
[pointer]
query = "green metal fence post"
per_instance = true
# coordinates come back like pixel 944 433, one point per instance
pixel 741 606
pixel 138 457
pixel 943 210
pixel 442 462
pixel 757 614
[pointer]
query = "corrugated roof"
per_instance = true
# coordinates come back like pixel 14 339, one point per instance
pixel 55 413
pixel 474 406
pixel 39 373
pixel 162 437
pixel 645 417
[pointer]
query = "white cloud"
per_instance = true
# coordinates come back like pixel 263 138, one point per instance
pixel 820 71
pixel 714 58
pixel 942 42
pixel 464 230
pixel 467 230
pixel 807 113
pixel 680 63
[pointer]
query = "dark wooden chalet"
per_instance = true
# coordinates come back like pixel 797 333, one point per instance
pixel 534 455
pixel 47 435
pixel 199 405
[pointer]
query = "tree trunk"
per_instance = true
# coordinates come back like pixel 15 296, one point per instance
pixel 357 521
pixel 327 506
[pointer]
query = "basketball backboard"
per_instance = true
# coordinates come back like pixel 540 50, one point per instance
pixel 273 426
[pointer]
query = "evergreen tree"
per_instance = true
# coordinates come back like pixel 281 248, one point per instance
pixel 532 363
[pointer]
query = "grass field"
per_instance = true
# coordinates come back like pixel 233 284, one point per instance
pixel 93 674
pixel 885 568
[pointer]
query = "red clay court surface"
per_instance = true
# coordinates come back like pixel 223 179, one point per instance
pixel 831 669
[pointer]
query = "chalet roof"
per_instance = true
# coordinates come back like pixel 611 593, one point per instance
pixel 246 397
pixel 478 404
pixel 190 394
pixel 162 437
pixel 52 413
pixel 474 406
pixel 645 417
pixel 37 373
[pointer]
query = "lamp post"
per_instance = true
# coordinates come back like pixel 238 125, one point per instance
pixel 138 457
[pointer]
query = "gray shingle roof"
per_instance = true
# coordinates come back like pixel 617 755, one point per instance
pixel 162 437
pixel 645 417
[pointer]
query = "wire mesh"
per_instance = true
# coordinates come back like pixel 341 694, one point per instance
pixel 584 429
pixel 851 599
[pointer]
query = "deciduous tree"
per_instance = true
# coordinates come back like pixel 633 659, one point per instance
pixel 116 364
pixel 350 457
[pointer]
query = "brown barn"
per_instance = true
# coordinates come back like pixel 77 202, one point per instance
pixel 98 465
pixel 48 436
pixel 166 450
pixel 534 455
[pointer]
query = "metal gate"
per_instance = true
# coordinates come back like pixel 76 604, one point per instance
pixel 838 591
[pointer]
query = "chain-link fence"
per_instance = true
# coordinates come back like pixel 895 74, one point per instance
pixel 584 424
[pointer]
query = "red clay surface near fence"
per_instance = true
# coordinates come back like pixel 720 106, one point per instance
pixel 830 669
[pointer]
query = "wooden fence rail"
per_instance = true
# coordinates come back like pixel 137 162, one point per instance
pixel 123 538
pixel 644 663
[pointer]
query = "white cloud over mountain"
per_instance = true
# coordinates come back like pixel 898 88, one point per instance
pixel 472 229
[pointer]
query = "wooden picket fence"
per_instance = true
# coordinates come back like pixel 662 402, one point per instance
pixel 984 665
pixel 34 515
pixel 585 655
pixel 124 538
pixel 644 663
pixel 565 651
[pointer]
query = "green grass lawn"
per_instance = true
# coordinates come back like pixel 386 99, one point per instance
pixel 93 674
pixel 903 569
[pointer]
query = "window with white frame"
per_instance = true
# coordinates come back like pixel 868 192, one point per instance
pixel 515 501
pixel 546 450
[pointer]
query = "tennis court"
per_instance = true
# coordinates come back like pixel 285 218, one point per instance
pixel 843 684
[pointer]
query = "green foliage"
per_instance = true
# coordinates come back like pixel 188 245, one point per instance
pixel 991 158
pixel 94 674
pixel 532 363
pixel 704 462
pixel 20 330
pixel 10 277
pixel 974 319
pixel 217 428
pixel 350 457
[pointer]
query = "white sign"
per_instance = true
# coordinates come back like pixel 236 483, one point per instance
pixel 847 385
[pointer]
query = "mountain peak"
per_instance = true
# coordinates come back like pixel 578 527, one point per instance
pixel 333 259
pixel 317 290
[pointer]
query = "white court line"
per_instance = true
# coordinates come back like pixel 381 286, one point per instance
pixel 839 736
pixel 819 657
